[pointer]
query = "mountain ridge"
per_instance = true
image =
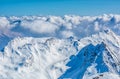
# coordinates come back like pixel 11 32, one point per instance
pixel 50 58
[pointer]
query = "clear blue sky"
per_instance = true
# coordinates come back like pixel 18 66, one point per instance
pixel 58 7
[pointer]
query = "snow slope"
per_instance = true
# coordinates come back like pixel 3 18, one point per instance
pixel 35 58
pixel 53 58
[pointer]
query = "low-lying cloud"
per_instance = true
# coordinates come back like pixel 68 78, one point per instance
pixel 39 26
pixel 62 27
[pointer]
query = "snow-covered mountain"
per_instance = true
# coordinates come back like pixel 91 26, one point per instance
pixel 93 57
pixel 47 47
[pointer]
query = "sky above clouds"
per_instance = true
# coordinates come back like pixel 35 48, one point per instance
pixel 58 7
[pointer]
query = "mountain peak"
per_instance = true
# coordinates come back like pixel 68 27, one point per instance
pixel 62 58
pixel 90 55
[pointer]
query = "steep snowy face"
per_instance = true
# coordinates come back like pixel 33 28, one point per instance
pixel 92 57
pixel 98 54
pixel 99 57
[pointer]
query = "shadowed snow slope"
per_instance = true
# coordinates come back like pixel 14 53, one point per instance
pixel 92 57
pixel 98 57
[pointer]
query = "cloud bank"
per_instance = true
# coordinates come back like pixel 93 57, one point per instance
pixel 61 27
pixel 39 26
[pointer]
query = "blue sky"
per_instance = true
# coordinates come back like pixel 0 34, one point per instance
pixel 58 7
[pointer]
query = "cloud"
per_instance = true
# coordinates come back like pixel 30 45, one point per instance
pixel 67 34
pixel 39 26
pixel 4 23
pixel 96 26
pixel 62 27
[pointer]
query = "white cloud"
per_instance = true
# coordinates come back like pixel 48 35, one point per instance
pixel 4 23
pixel 97 28
pixel 66 34
pixel 66 25
pixel 117 18
pixel 39 26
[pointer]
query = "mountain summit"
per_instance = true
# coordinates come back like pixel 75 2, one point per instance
pixel 94 57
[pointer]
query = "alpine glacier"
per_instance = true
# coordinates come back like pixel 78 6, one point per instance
pixel 60 47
